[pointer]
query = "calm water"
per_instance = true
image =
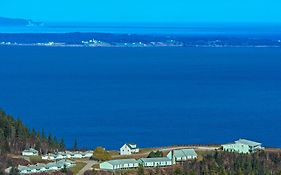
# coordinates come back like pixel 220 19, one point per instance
pixel 151 96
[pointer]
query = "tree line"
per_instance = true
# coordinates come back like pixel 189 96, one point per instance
pixel 15 137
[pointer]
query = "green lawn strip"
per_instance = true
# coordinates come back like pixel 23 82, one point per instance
pixel 77 167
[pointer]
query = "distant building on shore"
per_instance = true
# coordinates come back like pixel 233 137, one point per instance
pixel 242 146
pixel 30 152
pixel 119 164
pixel 128 149
pixel 181 155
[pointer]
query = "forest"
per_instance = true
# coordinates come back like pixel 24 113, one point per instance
pixel 15 137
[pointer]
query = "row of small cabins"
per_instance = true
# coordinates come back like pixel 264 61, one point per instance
pixel 59 155
pixel 41 168
pixel 67 155
pixel 172 157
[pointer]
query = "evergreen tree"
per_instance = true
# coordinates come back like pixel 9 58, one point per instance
pixel 14 171
pixel 75 145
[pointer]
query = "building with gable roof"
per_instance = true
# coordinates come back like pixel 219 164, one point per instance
pixel 128 149
pixel 182 155
pixel 119 164
pixel 243 146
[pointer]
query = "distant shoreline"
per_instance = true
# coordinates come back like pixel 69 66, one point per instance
pixel 137 40
pixel 119 46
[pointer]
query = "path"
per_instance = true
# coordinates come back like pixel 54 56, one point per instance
pixel 87 167
pixel 201 148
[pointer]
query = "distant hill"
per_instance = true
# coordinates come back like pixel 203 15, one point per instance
pixel 18 22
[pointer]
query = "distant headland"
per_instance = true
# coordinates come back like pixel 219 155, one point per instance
pixel 18 22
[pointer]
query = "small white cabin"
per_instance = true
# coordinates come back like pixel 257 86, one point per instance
pixel 30 152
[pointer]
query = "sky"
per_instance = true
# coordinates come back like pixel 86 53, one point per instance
pixel 144 11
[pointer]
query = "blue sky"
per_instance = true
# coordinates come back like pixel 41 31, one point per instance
pixel 140 11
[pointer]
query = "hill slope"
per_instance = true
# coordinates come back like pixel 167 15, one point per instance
pixel 15 137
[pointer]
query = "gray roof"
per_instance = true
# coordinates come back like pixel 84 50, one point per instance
pixel 132 145
pixel 248 142
pixel 157 159
pixel 30 150
pixel 184 153
pixel 121 161
pixel 60 163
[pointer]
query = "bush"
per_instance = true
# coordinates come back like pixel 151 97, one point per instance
pixel 100 154
pixel 155 154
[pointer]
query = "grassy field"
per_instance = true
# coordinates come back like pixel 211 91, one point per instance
pixel 37 159
pixel 77 167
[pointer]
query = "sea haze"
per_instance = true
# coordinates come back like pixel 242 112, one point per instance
pixel 150 96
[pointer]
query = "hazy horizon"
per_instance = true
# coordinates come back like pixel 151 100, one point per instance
pixel 126 11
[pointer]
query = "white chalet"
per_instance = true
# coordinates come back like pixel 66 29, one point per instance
pixel 128 149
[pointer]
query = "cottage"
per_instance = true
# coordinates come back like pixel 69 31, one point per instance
pixel 39 168
pixel 155 162
pixel 87 154
pixel 242 146
pixel 30 152
pixel 67 155
pixel 128 149
pixel 119 164
pixel 182 155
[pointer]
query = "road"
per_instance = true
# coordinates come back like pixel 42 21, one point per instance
pixel 200 148
pixel 89 165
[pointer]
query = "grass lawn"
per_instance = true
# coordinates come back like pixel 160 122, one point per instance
pixel 77 167
pixel 37 159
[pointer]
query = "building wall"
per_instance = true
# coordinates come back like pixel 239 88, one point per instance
pixel 155 164
pixel 236 147
pixel 135 150
pixel 106 166
pixel 125 150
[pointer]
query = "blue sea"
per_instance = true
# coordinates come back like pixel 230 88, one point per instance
pixel 150 96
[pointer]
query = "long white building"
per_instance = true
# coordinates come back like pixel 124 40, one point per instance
pixel 119 164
